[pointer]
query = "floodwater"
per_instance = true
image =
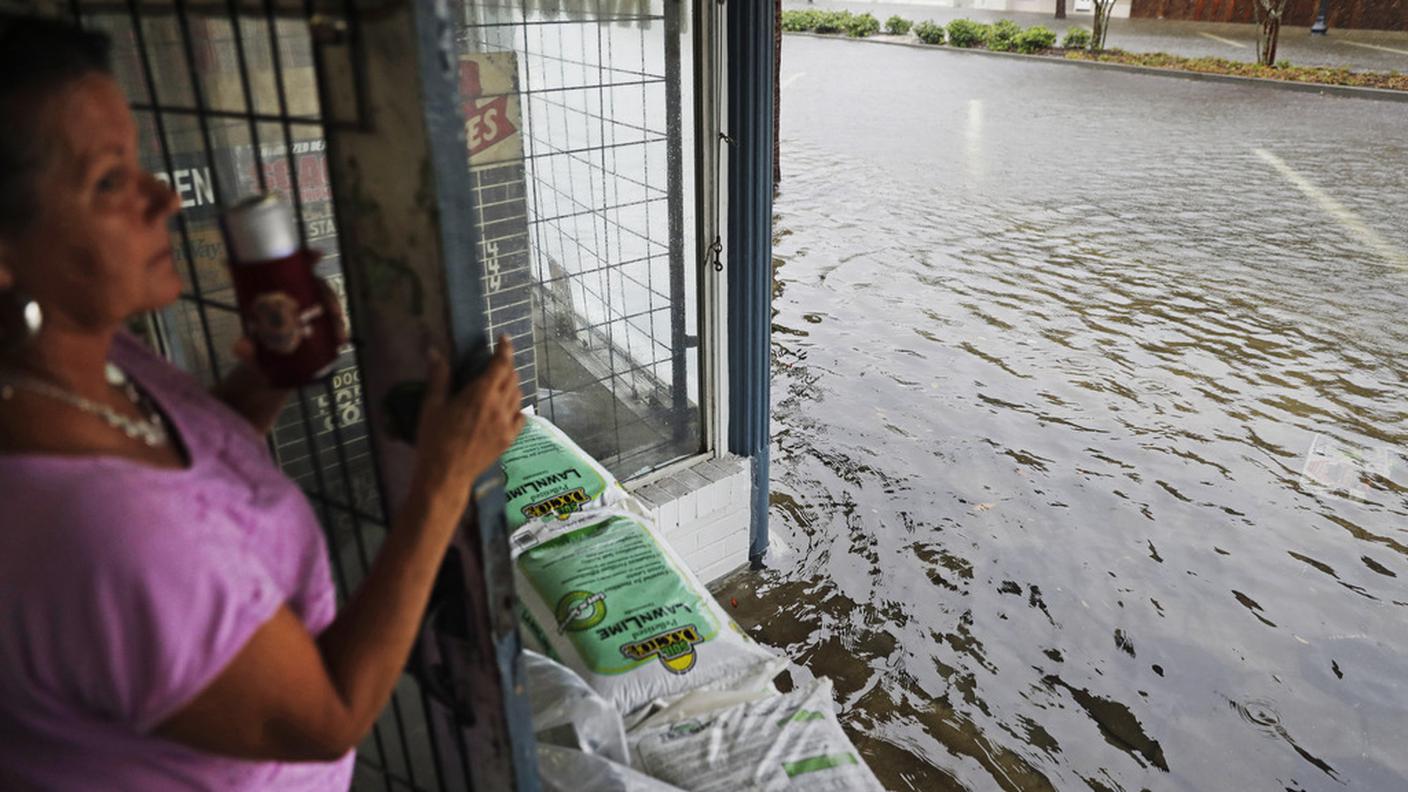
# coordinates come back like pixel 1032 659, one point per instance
pixel 1052 350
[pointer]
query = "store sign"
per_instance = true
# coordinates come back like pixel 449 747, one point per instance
pixel 190 175
pixel 193 185
pixel 308 163
pixel 492 116
pixel 493 134
pixel 488 125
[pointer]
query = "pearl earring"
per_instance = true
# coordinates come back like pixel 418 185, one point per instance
pixel 20 319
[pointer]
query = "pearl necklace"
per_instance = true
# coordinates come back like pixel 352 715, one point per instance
pixel 150 430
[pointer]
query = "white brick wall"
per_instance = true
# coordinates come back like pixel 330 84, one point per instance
pixel 703 511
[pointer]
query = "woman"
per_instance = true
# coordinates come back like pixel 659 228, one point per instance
pixel 166 613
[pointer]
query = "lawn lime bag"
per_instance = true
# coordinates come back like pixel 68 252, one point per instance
pixel 612 601
pixel 548 475
pixel 786 743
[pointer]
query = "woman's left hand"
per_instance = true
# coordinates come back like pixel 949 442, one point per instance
pixel 333 306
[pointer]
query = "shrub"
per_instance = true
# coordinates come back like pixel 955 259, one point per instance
pixel 1283 64
pixel 831 21
pixel 1076 38
pixel 897 25
pixel 1002 35
pixel 861 25
pixel 966 33
pixel 1035 39
pixel 929 32
pixel 1323 75
pixel 800 20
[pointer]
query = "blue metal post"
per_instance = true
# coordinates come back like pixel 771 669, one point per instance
pixel 749 253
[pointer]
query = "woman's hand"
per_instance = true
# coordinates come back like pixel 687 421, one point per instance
pixel 247 391
pixel 461 434
pixel 333 306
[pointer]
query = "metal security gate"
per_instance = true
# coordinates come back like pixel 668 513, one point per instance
pixel 573 226
pixel 600 231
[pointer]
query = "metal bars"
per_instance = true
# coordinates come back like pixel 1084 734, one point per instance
pixel 614 306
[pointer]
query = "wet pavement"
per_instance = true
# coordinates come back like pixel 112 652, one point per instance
pixel 1377 50
pixel 1053 348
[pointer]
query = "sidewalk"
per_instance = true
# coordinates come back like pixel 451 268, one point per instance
pixel 1375 50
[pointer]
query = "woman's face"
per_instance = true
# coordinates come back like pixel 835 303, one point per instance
pixel 99 250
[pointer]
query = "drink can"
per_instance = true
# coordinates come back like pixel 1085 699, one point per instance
pixel 281 302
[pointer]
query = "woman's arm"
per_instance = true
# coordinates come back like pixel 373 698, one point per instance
pixel 287 696
pixel 247 391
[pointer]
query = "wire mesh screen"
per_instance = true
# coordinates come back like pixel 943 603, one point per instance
pixel 573 114
pixel 226 102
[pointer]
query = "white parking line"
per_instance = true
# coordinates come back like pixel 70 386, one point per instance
pixel 1368 236
pixel 792 79
pixel 1229 42
pixel 973 137
pixel 1374 47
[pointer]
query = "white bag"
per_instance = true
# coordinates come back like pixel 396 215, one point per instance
pixel 565 770
pixel 569 714
pixel 786 743
pixel 716 696
pixel 546 475
pixel 611 599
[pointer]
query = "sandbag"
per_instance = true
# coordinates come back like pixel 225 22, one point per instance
pixel 567 713
pixel 568 770
pixel 612 600
pixel 759 684
pixel 785 743
pixel 546 475
pixel 535 639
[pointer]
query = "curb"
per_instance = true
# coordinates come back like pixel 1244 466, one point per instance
pixel 1353 91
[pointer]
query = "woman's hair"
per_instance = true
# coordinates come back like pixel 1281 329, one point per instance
pixel 38 57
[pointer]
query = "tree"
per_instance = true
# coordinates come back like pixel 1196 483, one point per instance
pixel 1101 24
pixel 1060 9
pixel 1268 19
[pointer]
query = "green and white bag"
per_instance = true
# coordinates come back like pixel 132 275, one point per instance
pixel 613 601
pixel 786 743
pixel 548 475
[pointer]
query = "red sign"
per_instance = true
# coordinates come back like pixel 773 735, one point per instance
pixel 486 121
pixel 487 124
pixel 470 88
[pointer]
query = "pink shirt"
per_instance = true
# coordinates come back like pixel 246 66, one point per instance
pixel 125 590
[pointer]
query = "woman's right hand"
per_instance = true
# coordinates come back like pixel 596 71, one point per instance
pixel 461 434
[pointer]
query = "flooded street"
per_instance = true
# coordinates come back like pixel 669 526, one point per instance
pixel 1052 349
